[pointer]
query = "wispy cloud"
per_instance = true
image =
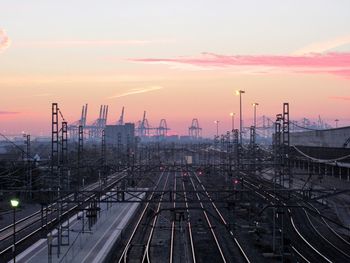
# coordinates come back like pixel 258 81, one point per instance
pixel 136 91
pixel 8 112
pixel 330 63
pixel 4 40
pixel 94 43
pixel 319 47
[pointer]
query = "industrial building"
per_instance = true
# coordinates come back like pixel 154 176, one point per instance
pixel 121 137
pixel 336 138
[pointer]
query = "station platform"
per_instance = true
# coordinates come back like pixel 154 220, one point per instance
pixel 86 244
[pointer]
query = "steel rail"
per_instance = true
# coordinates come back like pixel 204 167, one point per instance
pixel 123 257
pixel 209 224
pixel 223 220
pixel 153 226
pixel 293 225
pixel 189 225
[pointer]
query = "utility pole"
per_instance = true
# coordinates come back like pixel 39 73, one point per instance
pixel 277 160
pixel 80 152
pixel 286 144
pixel 64 151
pixel 29 168
pixel 54 143
pixel 232 114
pixel 236 149
pixel 239 93
pixel 103 156
pixel 255 104
pixel 217 127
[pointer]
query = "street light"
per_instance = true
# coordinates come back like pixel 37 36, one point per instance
pixel 217 127
pixel 14 204
pixel 255 104
pixel 239 93
pixel 232 114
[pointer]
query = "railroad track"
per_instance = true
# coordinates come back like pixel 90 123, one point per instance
pixel 337 247
pixel 181 240
pixel 192 254
pixel 137 245
pixel 188 234
pixel 172 237
pixel 225 242
pixel 311 254
pixel 216 251
pixel 329 227
pixel 313 239
pixel 223 221
pixel 155 224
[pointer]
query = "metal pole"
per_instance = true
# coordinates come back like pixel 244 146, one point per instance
pixel 274 226
pixel 240 117
pixel 255 104
pixel 80 152
pixel 233 122
pixel 14 235
pixel 254 115
pixel 217 128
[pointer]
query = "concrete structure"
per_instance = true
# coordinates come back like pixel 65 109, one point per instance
pixel 121 137
pixel 338 138
pixel 93 245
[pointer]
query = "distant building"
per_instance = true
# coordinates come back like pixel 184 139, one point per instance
pixel 121 137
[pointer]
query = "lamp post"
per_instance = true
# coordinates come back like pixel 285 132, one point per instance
pixel 255 104
pixel 14 204
pixel 217 127
pixel 239 93
pixel 232 114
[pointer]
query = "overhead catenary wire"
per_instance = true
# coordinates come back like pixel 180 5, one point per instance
pixel 16 146
pixel 303 127
pixel 321 160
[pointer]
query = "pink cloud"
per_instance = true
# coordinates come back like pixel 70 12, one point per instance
pixel 8 112
pixel 4 40
pixel 339 98
pixel 210 59
pixel 345 73
pixel 330 63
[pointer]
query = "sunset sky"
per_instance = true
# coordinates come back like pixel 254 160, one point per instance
pixel 177 60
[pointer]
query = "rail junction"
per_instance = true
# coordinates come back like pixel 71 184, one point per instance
pixel 223 201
